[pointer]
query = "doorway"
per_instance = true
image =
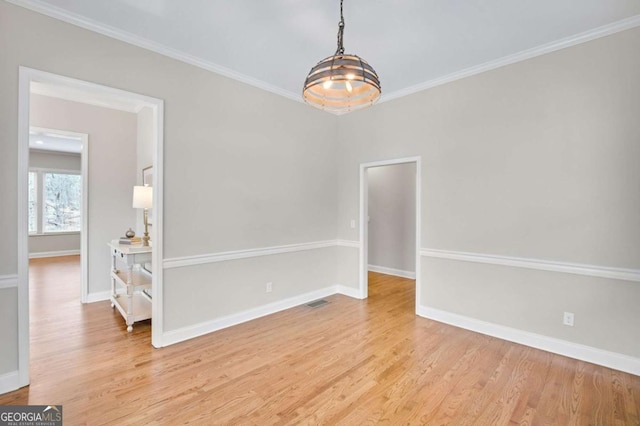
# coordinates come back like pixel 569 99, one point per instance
pixel 58 173
pixel 364 258
pixel 93 94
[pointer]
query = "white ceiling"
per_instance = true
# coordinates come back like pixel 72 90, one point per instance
pixel 412 44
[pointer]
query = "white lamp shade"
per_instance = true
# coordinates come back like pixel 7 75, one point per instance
pixel 142 197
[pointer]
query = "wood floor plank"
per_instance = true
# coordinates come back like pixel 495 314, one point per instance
pixel 349 362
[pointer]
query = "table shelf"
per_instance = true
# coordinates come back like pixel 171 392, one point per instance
pixel 141 306
pixel 138 278
pixel 128 285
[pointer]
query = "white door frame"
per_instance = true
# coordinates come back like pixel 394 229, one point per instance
pixel 26 77
pixel 364 226
pixel 84 229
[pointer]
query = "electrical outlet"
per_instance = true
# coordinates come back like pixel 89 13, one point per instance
pixel 568 319
pixel 353 224
pixel 269 287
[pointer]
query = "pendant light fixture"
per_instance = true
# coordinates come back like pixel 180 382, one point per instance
pixel 343 82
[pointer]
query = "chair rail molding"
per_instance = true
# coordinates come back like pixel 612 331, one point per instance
pixel 200 259
pixel 8 281
pixel 539 264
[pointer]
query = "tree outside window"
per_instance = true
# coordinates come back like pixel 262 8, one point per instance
pixel 61 198
pixel 33 206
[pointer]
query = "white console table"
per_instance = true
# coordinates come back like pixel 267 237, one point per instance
pixel 127 286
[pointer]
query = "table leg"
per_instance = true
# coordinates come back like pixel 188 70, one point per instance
pixel 129 299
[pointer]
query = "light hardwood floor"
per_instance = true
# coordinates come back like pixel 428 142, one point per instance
pixel 349 362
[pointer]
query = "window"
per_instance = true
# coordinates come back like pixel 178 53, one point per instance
pixel 55 202
pixel 33 214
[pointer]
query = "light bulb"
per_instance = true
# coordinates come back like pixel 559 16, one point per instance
pixel 327 84
pixel 350 76
pixel 348 85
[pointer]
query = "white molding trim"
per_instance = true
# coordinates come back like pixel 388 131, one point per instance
pixel 58 253
pixel 190 332
pixel 26 76
pixel 9 382
pixel 349 291
pixel 8 281
pixel 392 271
pixel 543 265
pixel 602 357
pixel 98 297
pixel 603 31
pixel 118 34
pixel 178 262
pixel 363 249
pixel 348 243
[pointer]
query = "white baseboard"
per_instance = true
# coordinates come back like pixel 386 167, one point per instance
pixel 58 253
pixel 9 382
pixel 392 271
pixel 186 333
pixel 349 291
pixel 98 297
pixel 609 359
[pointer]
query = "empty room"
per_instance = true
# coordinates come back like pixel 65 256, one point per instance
pixel 338 212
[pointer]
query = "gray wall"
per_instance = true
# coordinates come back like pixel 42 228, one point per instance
pixel 112 172
pixel 533 160
pixel 50 243
pixel 54 160
pixel 243 169
pixel 144 156
pixel 392 216
pixel 537 159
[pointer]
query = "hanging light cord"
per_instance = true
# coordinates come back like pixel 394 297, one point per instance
pixel 340 50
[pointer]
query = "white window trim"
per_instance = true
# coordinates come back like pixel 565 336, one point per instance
pixel 40 172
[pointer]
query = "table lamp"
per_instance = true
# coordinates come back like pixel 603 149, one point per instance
pixel 143 199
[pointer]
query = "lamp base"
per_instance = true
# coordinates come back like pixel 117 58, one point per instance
pixel 145 238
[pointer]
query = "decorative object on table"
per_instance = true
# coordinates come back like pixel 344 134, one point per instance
pixel 130 233
pixel 342 82
pixel 130 241
pixel 143 199
pixel 147 180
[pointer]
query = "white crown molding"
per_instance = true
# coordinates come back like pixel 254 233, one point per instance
pixel 392 271
pixel 118 34
pixel 542 265
pixel 9 382
pixel 58 253
pixel 185 333
pixel 8 281
pixel 178 262
pixel 609 359
pixel 603 31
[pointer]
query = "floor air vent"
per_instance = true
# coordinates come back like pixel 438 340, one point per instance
pixel 317 303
